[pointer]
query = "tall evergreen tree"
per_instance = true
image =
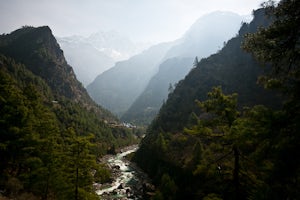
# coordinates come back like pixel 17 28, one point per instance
pixel 79 164
pixel 279 46
pixel 215 133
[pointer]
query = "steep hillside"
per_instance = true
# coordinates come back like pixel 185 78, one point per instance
pixel 117 88
pixel 38 50
pixel 232 68
pixel 171 155
pixel 147 105
pixel 50 128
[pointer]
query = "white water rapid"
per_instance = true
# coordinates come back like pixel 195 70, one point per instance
pixel 129 181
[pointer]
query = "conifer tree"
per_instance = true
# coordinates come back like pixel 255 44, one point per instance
pixel 279 46
pixel 215 133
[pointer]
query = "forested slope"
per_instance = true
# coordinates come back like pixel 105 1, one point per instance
pixel 232 68
pixel 51 131
pixel 220 134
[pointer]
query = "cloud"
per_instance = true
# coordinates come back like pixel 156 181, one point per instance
pixel 154 20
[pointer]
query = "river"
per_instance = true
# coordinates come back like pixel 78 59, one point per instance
pixel 129 182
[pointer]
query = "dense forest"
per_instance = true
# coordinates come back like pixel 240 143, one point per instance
pixel 230 129
pixel 52 133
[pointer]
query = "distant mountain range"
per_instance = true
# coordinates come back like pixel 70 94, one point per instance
pixel 117 88
pixel 130 89
pixel 90 56
pixel 147 105
pixel 205 37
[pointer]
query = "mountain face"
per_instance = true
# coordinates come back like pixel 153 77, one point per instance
pixel 207 35
pixel 117 88
pixel 90 56
pixel 167 149
pixel 231 68
pixel 201 40
pixel 147 105
pixel 86 59
pixel 115 45
pixel 39 51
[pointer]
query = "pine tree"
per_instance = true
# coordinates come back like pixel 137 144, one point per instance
pixel 215 133
pixel 79 165
pixel 279 46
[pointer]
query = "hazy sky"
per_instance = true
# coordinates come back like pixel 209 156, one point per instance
pixel 141 20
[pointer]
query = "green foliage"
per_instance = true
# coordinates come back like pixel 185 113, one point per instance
pixel 278 45
pixel 215 135
pixel 223 106
pixel 103 174
pixel 79 161
pixel 161 144
pixel 235 154
pixel 30 135
pixel 167 188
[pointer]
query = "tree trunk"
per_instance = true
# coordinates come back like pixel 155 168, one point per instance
pixel 76 185
pixel 236 171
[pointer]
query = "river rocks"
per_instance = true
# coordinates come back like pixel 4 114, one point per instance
pixel 97 186
pixel 117 167
pixel 128 190
pixel 129 182
pixel 121 186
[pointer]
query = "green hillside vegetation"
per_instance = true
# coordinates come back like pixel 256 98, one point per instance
pixel 51 131
pixel 222 136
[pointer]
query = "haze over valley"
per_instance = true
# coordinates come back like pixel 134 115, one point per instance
pixel 149 100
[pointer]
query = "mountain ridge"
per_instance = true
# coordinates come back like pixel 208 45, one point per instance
pixel 147 105
pixel 94 54
pixel 38 49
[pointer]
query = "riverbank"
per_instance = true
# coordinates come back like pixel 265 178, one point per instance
pixel 129 181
